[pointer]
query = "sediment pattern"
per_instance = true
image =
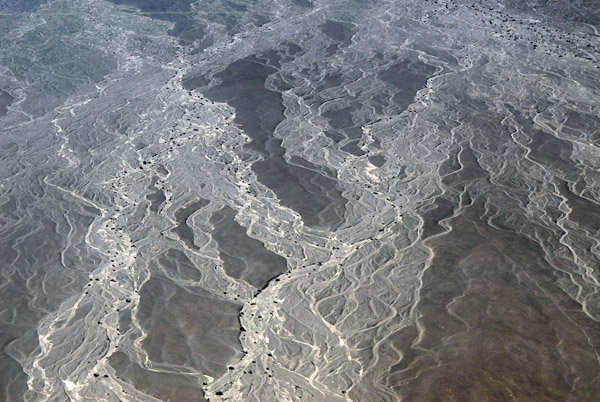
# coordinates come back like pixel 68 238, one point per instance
pixel 299 200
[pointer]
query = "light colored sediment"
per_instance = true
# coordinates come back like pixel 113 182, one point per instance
pixel 384 201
